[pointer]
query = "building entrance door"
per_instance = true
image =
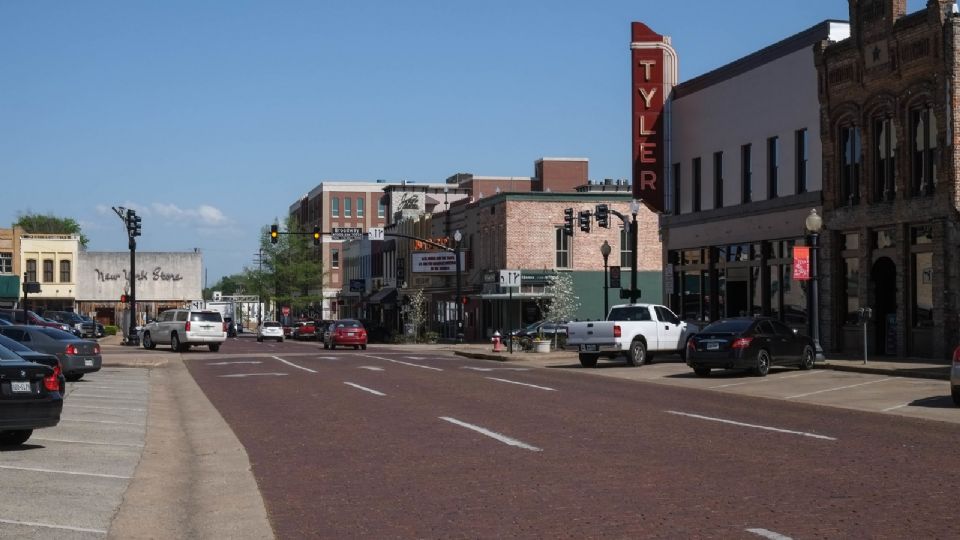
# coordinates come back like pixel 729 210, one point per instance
pixel 883 276
pixel 738 292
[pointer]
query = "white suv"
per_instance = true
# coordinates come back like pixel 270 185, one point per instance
pixel 181 328
pixel 270 330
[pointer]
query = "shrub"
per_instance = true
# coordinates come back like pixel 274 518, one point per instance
pixel 110 330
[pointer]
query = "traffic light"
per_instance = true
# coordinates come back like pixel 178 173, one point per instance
pixel 584 217
pixel 133 223
pixel 274 233
pixel 568 221
pixel 123 299
pixel 603 216
pixel 136 226
pixel 316 236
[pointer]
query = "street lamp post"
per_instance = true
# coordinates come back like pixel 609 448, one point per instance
pixel 457 237
pixel 634 210
pixel 814 224
pixel 605 251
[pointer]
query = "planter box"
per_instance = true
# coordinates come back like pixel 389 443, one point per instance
pixel 541 346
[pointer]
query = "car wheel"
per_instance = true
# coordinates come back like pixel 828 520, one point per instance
pixel 702 371
pixel 638 353
pixel 333 346
pixel 259 340
pixel 763 364
pixel 356 347
pixel 175 345
pixel 214 347
pixel 955 391
pixel 588 360
pixel 325 346
pixel 363 347
pixel 806 360
pixel 73 377
pixel 15 437
pixel 148 342
pixel 280 340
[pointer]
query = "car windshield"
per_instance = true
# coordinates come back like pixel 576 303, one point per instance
pixel 735 326
pixel 57 334
pixel 202 316
pixel 349 324
pixel 271 324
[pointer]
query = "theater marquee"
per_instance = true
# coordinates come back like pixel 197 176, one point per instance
pixel 654 70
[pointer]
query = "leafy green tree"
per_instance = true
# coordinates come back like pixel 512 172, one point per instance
pixel 50 224
pixel 230 285
pixel 291 273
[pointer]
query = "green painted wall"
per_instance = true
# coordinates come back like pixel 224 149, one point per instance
pixel 589 287
pixel 10 287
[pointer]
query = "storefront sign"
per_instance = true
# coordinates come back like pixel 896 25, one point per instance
pixel 435 262
pixel 157 274
pixel 801 263
pixel 654 71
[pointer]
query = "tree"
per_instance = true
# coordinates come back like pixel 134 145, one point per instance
pixel 418 313
pixel 562 303
pixel 291 273
pixel 50 224
pixel 230 285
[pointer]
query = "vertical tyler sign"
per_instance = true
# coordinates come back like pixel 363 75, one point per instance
pixel 654 71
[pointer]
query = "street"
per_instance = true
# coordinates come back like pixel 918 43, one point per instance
pixel 390 443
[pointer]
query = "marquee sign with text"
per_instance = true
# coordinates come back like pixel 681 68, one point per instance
pixel 654 72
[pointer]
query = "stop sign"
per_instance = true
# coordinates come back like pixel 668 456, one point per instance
pixel 285 310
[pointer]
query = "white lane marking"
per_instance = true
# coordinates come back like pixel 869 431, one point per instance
pixel 131 445
pixel 417 357
pixel 768 379
pixel 74 406
pixel 840 388
pixel 101 422
pixel 364 388
pixel 234 362
pixel 768 428
pixel 768 534
pixel 895 407
pixel 403 363
pixel 522 384
pixel 291 364
pixel 372 368
pixel 495 368
pixel 74 394
pixel 502 438
pixel 328 358
pixel 54 471
pixel 49 526
pixel 240 375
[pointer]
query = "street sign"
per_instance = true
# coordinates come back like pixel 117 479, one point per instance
pixel 375 233
pixel 347 233
pixel 509 278
pixel 615 277
pixel 357 285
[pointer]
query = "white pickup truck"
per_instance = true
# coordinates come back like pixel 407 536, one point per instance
pixel 634 330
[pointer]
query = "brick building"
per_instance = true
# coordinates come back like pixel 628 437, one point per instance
pixel 888 98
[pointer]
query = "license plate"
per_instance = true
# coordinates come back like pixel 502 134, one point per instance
pixel 589 347
pixel 88 362
pixel 20 386
pixel 713 346
pixel 351 334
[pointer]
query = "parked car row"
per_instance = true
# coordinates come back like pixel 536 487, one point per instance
pixel 68 321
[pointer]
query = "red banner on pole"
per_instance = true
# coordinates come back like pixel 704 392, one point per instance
pixel 801 263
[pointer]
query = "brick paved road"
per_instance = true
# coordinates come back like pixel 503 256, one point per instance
pixel 388 444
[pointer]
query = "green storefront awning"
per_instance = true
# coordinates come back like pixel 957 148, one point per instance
pixel 10 287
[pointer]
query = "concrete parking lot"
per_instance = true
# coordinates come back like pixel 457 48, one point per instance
pixel 68 481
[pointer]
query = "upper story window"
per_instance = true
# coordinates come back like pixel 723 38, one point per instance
pixel 625 253
pixel 31 270
pixel 562 248
pixel 359 206
pixel 885 159
pixel 802 157
pixel 718 179
pixel 334 258
pixel 923 139
pixel 65 272
pixel 48 270
pixel 347 207
pixel 696 185
pixel 850 152
pixel 6 263
pixel 773 167
pixel 382 207
pixel 335 206
pixel 746 173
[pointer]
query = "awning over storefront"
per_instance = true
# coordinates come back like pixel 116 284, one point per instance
pixel 10 287
pixel 386 295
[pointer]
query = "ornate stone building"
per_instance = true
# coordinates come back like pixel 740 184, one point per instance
pixel 888 97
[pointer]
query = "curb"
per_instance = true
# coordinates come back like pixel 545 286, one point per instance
pixel 910 373
pixel 481 356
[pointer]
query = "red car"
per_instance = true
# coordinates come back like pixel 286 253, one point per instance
pixel 346 332
pixel 305 330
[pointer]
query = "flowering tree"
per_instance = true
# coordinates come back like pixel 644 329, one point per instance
pixel 418 313
pixel 564 302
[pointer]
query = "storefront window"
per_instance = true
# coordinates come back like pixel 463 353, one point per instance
pixel 756 288
pixel 923 290
pixel 851 241
pixel 850 296
pixel 691 295
pixel 775 290
pixel 921 235
pixel 692 256
pixel 883 239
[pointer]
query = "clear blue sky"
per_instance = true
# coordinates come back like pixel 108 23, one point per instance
pixel 213 117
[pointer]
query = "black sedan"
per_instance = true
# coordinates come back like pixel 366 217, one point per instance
pixel 748 343
pixel 30 398
pixel 77 356
pixel 31 355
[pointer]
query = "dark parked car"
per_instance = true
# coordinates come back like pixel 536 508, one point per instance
pixel 77 324
pixel 346 332
pixel 955 377
pixel 4 322
pixel 30 398
pixel 31 355
pixel 748 343
pixel 16 316
pixel 77 356
pixel 100 330
pixel 547 328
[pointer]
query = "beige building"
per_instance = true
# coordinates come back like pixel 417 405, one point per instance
pixel 50 260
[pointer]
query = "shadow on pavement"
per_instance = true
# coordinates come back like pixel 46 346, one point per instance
pixel 934 402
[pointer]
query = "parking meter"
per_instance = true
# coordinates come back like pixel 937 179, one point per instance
pixel 865 315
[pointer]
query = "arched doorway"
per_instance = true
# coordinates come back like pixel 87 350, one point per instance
pixel 883 276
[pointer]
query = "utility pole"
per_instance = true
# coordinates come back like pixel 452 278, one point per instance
pixel 132 222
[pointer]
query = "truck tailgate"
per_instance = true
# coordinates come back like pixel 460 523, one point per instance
pixel 581 335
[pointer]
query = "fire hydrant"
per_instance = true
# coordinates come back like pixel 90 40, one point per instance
pixel 497 345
